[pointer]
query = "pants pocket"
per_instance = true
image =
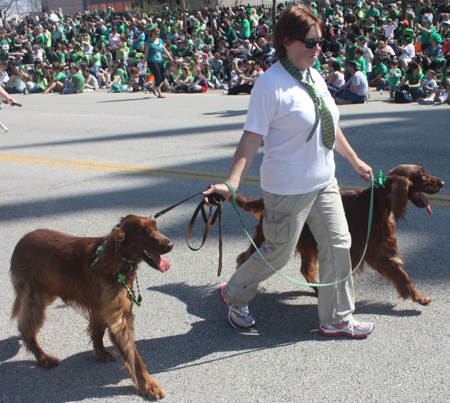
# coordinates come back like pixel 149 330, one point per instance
pixel 276 226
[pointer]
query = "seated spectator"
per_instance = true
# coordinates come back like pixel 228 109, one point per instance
pixel 57 83
pixel 378 77
pixel 412 82
pixel 437 94
pixel 429 84
pixel 359 53
pixel 16 84
pixel 335 47
pixel 335 79
pixel 182 81
pixel 216 66
pixel 76 82
pixel 199 83
pixel 358 87
pixel 405 48
pixel 434 56
pixel 247 83
pixel 384 51
pixel 394 78
pixel 247 48
pixel 40 82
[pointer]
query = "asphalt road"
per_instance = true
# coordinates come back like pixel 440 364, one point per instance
pixel 78 163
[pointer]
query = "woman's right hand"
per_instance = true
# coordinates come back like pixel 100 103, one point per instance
pixel 219 188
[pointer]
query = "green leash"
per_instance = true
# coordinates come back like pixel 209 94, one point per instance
pixel 236 209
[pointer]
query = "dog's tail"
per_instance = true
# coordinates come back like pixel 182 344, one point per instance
pixel 252 206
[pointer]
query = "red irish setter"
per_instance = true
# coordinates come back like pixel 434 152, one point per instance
pixel 84 273
pixel 405 182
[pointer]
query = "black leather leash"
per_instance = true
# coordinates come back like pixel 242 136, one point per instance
pixel 210 219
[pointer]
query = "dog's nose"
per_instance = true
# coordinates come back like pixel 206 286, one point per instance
pixel 168 247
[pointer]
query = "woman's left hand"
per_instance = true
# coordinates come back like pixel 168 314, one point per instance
pixel 364 170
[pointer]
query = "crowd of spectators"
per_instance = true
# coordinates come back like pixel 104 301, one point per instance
pixel 367 45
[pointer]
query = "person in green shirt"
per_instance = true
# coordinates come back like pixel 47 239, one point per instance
pixel 372 11
pixel 76 82
pixel 57 83
pixel 393 13
pixel 359 53
pixel 378 76
pixel 245 30
pixel 328 10
pixel 394 78
pixel 350 48
pixel 426 31
pixel 413 81
pixel 40 82
pixel 228 31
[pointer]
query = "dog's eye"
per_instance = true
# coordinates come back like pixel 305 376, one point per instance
pixel 143 231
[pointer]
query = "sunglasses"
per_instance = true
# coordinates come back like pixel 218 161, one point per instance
pixel 310 43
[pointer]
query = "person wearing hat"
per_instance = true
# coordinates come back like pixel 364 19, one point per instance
pixel 245 31
pixel 393 13
pixel 349 17
pixel 361 41
pixel 357 85
pixel 425 31
pixel 406 48
pixel 335 47
pixel 434 55
pixel 402 25
pixel 359 13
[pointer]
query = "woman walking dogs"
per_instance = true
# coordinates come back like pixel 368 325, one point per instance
pixel 291 108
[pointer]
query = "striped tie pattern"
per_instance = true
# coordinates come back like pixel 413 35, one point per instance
pixel 322 112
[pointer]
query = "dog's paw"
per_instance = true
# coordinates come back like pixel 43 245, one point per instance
pixel 47 362
pixel 152 390
pixel 423 300
pixel 105 355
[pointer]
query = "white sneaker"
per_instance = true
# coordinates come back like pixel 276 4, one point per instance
pixel 443 98
pixel 352 328
pixel 238 317
pixel 225 93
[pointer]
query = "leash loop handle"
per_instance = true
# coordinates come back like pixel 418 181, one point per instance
pixel 209 220
pixel 236 209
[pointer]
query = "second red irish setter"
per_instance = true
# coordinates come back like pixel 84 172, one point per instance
pixel 405 182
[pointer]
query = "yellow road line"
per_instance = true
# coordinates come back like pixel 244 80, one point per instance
pixel 166 172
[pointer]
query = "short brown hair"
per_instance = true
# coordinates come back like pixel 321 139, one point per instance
pixel 294 23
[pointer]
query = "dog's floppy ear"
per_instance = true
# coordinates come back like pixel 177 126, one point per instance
pixel 399 195
pixel 111 258
pixel 251 206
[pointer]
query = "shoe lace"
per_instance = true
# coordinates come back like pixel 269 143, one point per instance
pixel 352 324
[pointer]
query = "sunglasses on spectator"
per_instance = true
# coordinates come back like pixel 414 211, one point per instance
pixel 310 43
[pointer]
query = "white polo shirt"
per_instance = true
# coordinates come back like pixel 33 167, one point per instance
pixel 282 110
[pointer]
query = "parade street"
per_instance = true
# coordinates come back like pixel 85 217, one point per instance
pixel 78 163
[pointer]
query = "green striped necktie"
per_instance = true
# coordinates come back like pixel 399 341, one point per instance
pixel 322 111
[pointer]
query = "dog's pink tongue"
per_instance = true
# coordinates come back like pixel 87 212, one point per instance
pixel 162 263
pixel 426 202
